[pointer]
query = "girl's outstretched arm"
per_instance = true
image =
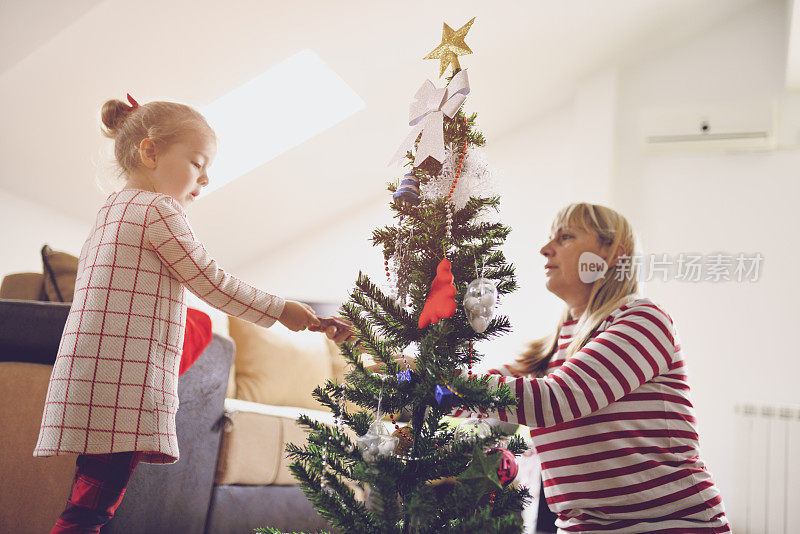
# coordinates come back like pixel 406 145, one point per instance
pixel 169 232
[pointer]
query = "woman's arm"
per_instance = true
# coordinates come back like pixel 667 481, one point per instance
pixel 501 370
pixel 174 241
pixel 637 346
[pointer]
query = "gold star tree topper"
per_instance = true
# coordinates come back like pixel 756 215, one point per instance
pixel 452 46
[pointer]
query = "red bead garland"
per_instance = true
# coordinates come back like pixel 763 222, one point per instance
pixel 469 365
pixel 458 168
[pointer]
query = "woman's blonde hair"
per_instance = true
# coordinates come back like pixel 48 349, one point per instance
pixel 618 286
pixel 163 122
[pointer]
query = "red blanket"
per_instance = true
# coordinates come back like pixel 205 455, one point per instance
pixel 197 337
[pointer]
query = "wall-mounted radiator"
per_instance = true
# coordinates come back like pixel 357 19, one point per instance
pixel 767 452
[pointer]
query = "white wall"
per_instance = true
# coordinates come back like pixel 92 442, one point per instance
pixel 27 226
pixel 324 266
pixel 733 334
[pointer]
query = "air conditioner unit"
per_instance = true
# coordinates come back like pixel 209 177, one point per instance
pixel 741 126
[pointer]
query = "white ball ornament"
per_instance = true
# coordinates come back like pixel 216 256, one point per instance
pixel 471 303
pixel 472 429
pixel 485 311
pixel 479 323
pixel 489 298
pixel 378 441
pixel 479 301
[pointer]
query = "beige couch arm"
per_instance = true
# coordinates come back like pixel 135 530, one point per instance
pixel 253 449
pixel 34 490
pixel 23 286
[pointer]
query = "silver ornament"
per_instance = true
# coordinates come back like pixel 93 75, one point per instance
pixel 473 429
pixel 479 301
pixel 377 441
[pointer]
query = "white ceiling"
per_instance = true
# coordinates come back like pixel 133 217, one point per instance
pixel 60 64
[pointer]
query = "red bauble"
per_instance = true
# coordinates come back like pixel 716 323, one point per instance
pixel 508 468
pixel 441 301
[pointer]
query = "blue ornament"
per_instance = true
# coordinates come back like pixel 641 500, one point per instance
pixel 408 191
pixel 407 377
pixel 444 397
pixel 406 380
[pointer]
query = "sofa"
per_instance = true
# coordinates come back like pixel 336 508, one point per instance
pixel 232 475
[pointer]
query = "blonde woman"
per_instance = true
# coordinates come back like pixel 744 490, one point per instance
pixel 607 394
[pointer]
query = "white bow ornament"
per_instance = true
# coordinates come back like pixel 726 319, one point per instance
pixel 426 115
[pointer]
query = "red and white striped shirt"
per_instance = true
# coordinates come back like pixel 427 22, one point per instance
pixel 615 430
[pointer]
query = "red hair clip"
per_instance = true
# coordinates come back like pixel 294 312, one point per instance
pixel 134 103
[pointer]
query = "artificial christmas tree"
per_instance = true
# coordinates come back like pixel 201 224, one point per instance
pixel 445 273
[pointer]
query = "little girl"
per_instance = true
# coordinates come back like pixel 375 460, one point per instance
pixel 113 392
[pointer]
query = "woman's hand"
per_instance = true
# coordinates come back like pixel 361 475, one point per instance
pixel 297 316
pixel 339 329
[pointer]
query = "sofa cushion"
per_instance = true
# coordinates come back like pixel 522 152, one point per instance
pixel 239 509
pixel 277 366
pixel 339 366
pixel 60 271
pixel 34 490
pixel 231 391
pixel 23 286
pixel 254 442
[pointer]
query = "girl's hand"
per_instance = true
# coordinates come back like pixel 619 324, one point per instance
pixel 339 329
pixel 297 316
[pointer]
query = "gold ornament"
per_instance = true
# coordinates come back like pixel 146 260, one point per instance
pixel 452 46
pixel 406 436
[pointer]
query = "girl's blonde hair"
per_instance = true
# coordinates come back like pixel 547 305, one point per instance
pixel 163 122
pixel 618 286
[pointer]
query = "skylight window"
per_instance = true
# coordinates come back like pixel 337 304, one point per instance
pixel 274 112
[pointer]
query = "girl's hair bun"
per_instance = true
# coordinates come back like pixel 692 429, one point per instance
pixel 113 115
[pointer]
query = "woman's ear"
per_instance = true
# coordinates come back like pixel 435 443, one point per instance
pixel 147 153
pixel 615 259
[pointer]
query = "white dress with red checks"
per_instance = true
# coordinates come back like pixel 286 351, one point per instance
pixel 114 383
